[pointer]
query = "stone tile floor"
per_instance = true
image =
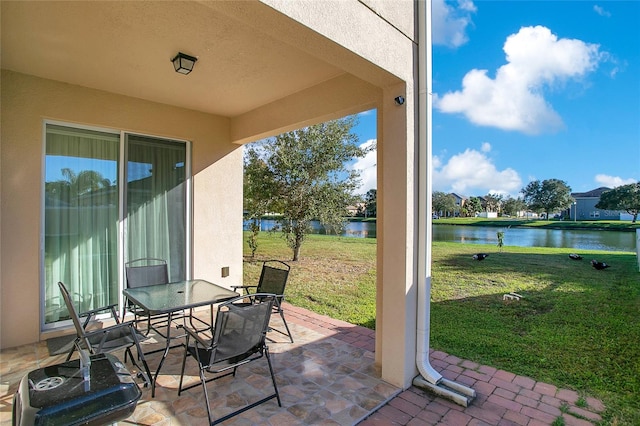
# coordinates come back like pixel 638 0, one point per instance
pixel 328 377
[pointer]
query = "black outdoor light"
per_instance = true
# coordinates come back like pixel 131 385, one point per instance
pixel 183 63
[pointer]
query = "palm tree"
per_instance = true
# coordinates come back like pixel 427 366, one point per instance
pixel 75 185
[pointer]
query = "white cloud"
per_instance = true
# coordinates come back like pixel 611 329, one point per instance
pixel 613 181
pixel 366 113
pixel 367 167
pixel 450 22
pixel 436 161
pixel 536 59
pixel 600 11
pixel 473 173
pixel 467 173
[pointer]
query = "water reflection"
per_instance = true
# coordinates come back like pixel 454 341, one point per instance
pixel 523 237
pixel 353 229
pixel 531 237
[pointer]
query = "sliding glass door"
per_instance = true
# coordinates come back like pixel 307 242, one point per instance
pixel 89 197
pixel 80 218
pixel 155 202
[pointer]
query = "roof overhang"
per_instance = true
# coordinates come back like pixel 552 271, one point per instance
pixel 253 61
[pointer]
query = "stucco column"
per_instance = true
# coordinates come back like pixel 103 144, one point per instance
pixel 396 290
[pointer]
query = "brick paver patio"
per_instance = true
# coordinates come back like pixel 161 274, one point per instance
pixel 339 386
pixel 503 398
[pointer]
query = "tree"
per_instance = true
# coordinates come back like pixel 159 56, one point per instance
pixel 442 203
pixel 512 206
pixel 493 202
pixel 625 197
pixel 500 235
pixel 371 203
pixel 302 176
pixel 547 196
pixel 256 194
pixel 74 185
pixel 473 206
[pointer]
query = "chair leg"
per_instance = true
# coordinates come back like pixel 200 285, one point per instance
pixel 206 395
pixel 203 379
pixel 73 349
pixel 276 395
pixel 147 373
pixel 285 324
pixel 273 377
pixel 127 353
pixel 277 308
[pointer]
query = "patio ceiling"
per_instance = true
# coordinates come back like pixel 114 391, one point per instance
pixel 126 48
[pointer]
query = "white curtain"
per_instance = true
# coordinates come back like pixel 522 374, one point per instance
pixel 155 201
pixel 81 217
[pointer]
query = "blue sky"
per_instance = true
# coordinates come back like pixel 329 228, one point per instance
pixel 531 90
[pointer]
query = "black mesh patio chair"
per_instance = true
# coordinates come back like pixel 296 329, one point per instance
pixel 238 338
pixel 145 272
pixel 273 279
pixel 122 335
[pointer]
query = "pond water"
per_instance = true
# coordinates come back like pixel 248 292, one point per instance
pixel 523 237
pixel 534 237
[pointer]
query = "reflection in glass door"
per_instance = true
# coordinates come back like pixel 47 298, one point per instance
pixel 82 213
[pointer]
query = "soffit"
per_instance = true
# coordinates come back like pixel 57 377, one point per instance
pixel 126 47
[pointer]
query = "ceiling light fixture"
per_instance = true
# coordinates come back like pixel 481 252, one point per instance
pixel 183 63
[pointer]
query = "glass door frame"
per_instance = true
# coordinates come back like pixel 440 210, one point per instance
pixel 122 185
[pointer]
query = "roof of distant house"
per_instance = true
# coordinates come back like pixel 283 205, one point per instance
pixel 594 193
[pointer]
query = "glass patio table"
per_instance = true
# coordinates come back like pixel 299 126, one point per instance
pixel 167 299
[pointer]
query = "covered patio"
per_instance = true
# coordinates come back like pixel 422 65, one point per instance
pixel 104 69
pixel 328 377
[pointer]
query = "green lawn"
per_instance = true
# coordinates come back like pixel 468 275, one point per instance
pixel 576 327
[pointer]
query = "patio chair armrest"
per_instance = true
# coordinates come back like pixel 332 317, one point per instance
pixel 110 328
pixel 95 311
pixel 244 287
pixel 89 314
pixel 196 336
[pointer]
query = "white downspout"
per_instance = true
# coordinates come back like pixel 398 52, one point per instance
pixel 429 378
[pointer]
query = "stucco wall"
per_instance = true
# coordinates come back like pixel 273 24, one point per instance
pixel 380 33
pixel 26 102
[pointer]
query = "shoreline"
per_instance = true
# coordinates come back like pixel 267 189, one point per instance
pixel 592 225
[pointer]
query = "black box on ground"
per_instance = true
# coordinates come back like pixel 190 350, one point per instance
pixel 58 394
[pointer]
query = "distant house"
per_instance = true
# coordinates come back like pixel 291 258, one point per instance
pixel 488 215
pixel 585 206
pixel 460 200
pixel 357 208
